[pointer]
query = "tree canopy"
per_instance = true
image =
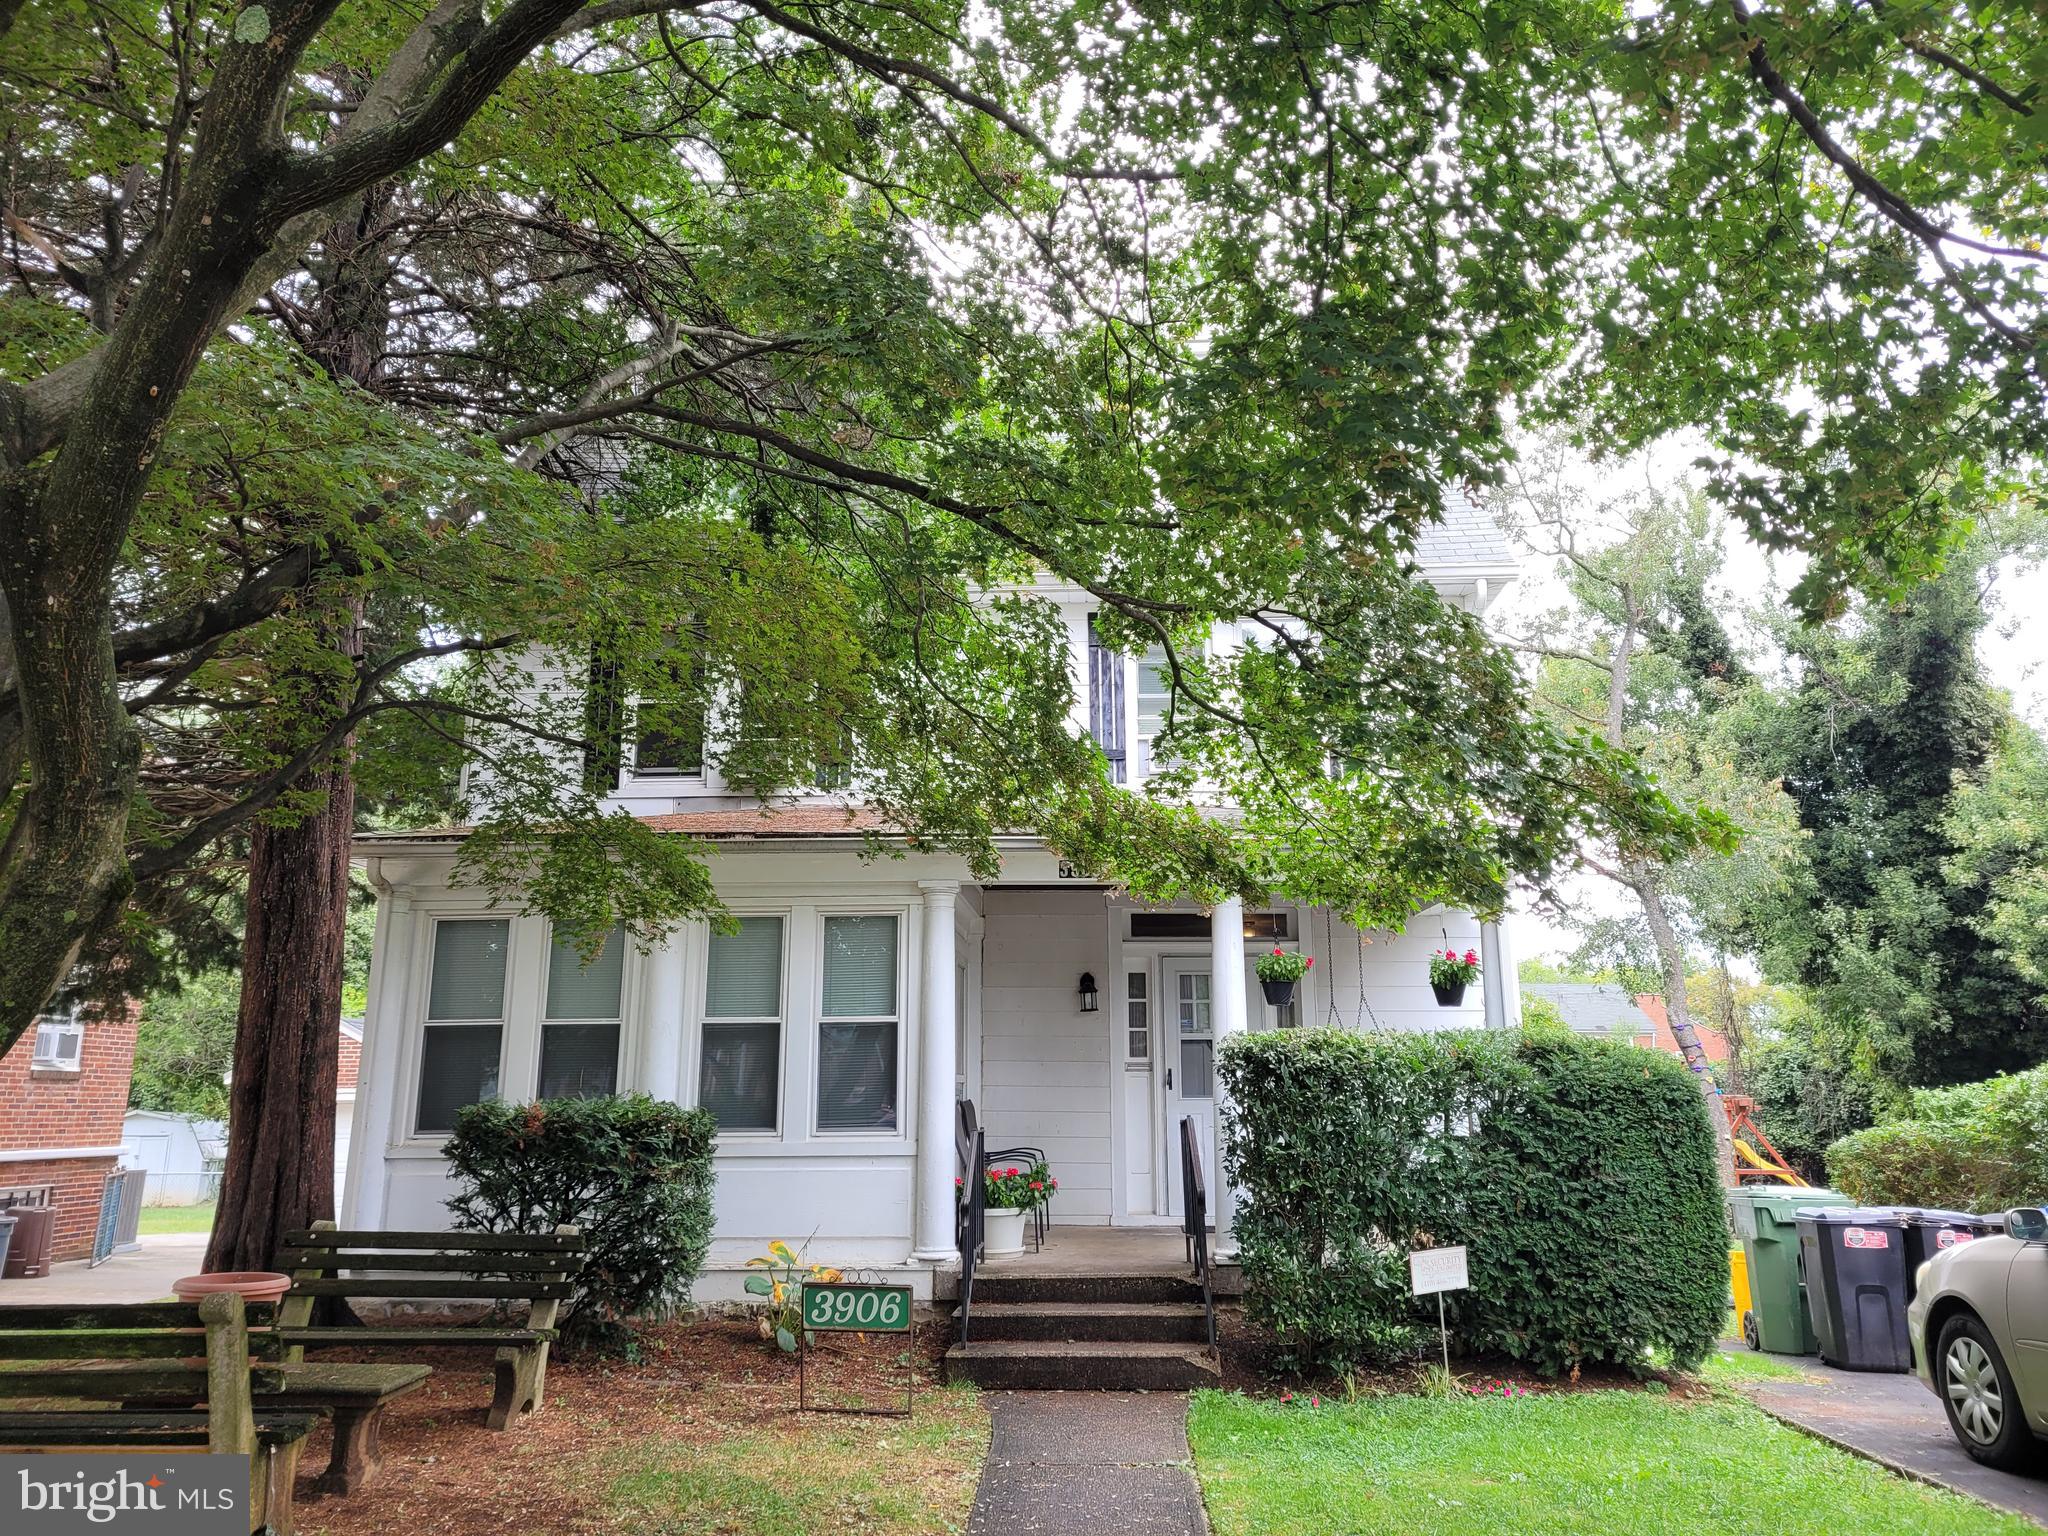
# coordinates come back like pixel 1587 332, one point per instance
pixel 593 332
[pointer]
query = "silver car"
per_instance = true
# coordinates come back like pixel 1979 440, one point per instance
pixel 1979 1324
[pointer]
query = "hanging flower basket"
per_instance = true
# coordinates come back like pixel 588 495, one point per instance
pixel 1280 973
pixel 1450 973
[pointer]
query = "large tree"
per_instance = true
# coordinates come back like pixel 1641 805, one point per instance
pixel 843 314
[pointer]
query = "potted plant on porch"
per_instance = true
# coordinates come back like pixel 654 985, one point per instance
pixel 1280 973
pixel 1007 1197
pixel 1450 973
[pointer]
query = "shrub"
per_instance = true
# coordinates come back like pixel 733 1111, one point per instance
pixel 1580 1174
pixel 1980 1146
pixel 635 1174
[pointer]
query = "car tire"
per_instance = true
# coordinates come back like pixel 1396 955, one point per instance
pixel 1977 1390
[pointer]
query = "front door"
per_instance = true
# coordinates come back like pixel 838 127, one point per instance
pixel 1188 1069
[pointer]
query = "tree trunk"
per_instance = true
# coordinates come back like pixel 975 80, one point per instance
pixel 1642 879
pixel 280 1163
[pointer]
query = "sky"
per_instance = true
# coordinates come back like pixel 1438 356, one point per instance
pixel 2014 649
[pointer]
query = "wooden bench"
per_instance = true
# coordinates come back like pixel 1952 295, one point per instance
pixel 167 1376
pixel 496 1268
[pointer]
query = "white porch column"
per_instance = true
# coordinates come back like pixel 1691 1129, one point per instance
pixel 938 1071
pixel 1499 982
pixel 663 1072
pixel 1227 1014
pixel 379 1117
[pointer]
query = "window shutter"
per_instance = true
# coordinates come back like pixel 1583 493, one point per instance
pixel 744 978
pixel 579 991
pixel 1106 701
pixel 860 967
pixel 469 969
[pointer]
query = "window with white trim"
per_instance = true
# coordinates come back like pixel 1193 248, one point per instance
pixel 739 1062
pixel 1154 699
pixel 60 1037
pixel 857 1030
pixel 1137 1016
pixel 463 1039
pixel 579 1031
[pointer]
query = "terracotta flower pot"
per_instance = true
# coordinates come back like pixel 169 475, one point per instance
pixel 1448 997
pixel 1278 993
pixel 252 1285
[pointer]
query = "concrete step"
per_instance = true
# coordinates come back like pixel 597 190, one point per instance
pixel 992 1285
pixel 1021 1365
pixel 1129 1322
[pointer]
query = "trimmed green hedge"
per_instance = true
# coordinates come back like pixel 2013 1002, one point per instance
pixel 1580 1173
pixel 1976 1147
pixel 634 1173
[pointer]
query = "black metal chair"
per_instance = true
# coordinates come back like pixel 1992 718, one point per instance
pixel 1010 1157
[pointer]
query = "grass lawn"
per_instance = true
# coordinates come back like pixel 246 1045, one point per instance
pixel 177 1218
pixel 825 1472
pixel 1608 1462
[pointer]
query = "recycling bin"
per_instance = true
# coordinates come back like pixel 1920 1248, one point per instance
pixel 1857 1282
pixel 6 1236
pixel 1777 1319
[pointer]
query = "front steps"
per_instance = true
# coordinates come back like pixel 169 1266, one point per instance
pixel 1063 1333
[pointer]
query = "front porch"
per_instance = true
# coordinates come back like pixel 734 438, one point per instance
pixel 1096 1253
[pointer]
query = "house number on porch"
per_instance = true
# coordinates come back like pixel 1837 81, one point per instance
pixel 857 1308
pixel 1068 871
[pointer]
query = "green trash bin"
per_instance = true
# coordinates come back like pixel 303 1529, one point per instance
pixel 1778 1321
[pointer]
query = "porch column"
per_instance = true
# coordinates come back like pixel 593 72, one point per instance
pixel 1227 1014
pixel 663 1073
pixel 937 1071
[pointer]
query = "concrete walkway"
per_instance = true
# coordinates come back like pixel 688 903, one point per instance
pixel 144 1275
pixel 1088 1464
pixel 1898 1422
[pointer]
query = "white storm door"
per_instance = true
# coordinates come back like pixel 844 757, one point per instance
pixel 1187 1068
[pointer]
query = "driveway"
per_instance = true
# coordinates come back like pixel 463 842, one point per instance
pixel 143 1275
pixel 1896 1421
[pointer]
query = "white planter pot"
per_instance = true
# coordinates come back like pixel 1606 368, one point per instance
pixel 1002 1234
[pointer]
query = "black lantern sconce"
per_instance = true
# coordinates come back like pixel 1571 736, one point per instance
pixel 1091 1000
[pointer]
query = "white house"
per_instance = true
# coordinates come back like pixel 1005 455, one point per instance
pixel 834 1031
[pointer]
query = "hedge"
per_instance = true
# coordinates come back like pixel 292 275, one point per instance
pixel 1580 1174
pixel 1977 1147
pixel 635 1174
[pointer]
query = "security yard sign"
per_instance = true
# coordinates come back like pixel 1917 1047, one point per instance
pixel 1431 1272
pixel 833 1307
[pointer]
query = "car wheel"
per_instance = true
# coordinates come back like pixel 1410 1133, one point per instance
pixel 1976 1388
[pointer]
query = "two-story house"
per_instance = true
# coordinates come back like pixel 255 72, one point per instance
pixel 833 1032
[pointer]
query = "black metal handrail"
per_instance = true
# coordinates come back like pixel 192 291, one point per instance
pixel 1194 1203
pixel 970 1153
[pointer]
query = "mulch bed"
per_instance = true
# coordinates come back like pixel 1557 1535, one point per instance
pixel 445 1474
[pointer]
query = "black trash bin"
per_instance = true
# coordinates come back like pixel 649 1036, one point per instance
pixel 1929 1232
pixel 1857 1278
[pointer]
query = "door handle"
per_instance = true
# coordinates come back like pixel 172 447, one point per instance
pixel 1169 1077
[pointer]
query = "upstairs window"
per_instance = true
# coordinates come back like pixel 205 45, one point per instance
pixel 668 726
pixel 60 1037
pixel 1106 703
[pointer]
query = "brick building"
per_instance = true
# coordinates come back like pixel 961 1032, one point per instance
pixel 63 1092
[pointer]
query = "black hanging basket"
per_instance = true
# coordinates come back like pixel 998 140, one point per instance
pixel 1448 997
pixel 1278 993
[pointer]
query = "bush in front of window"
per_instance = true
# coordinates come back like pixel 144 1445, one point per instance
pixel 1580 1174
pixel 634 1174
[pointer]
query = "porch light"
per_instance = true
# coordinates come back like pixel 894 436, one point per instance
pixel 1091 1000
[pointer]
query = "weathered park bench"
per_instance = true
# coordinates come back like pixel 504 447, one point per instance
pixel 165 1376
pixel 492 1268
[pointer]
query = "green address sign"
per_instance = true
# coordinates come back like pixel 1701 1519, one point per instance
pixel 857 1308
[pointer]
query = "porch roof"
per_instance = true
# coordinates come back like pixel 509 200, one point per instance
pixel 746 824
